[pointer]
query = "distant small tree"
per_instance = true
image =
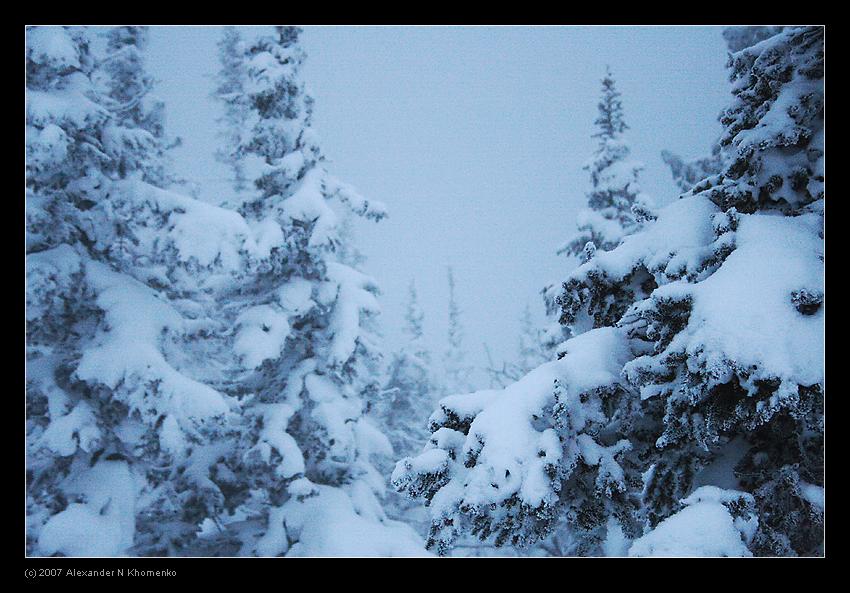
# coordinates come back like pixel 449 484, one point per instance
pixel 230 91
pixel 458 372
pixel 614 183
pixel 531 352
pixel 411 389
pixel 686 174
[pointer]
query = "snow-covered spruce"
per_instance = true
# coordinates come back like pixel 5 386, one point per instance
pixel 300 481
pixel 616 207
pixel 458 374
pixel 139 116
pixel 697 361
pixel 411 388
pixel 116 415
pixel 230 91
pixel 532 351
pixel 688 173
pixel 152 421
pixel 401 410
pixel 614 189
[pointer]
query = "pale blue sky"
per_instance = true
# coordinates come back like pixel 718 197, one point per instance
pixel 475 138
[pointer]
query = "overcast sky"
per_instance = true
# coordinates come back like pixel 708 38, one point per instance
pixel 475 139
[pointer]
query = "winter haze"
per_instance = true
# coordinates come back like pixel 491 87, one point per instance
pixel 471 136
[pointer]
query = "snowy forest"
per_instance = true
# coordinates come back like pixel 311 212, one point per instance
pixel 215 366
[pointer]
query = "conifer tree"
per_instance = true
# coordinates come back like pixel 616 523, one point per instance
pixel 614 182
pixel 411 389
pixel 458 373
pixel 616 207
pixel 116 415
pixel 138 116
pixel 306 361
pixel 687 173
pixel 231 92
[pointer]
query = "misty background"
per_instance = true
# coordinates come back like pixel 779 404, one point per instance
pixel 475 138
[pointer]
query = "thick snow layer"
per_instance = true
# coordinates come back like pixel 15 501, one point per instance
pixel 136 322
pixel 296 296
pixel 69 107
pixel 703 528
pixel 813 494
pixel 678 241
pixel 324 522
pixel 745 309
pixel 261 334
pixel 743 315
pixel 510 452
pixel 355 295
pixel 273 436
pixel 49 274
pixel 203 232
pixel 52 46
pixel 103 524
pixel 267 235
pixel 308 204
pixel 76 428
pixel 616 544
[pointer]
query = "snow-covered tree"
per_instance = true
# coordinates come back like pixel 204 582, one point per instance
pixel 300 480
pixel 116 415
pixel 687 173
pixel 458 374
pixel 614 192
pixel 401 411
pixel 153 425
pixel 411 389
pixel 138 122
pixel 738 38
pixel 697 362
pixel 616 207
pixel 230 91
pixel 532 351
